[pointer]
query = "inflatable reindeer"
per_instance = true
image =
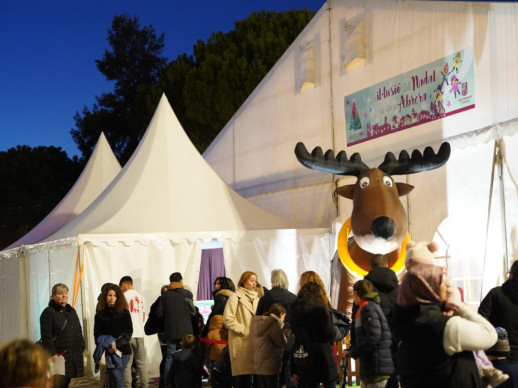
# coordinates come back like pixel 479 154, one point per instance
pixel 378 222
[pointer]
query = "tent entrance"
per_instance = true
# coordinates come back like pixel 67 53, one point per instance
pixel 211 266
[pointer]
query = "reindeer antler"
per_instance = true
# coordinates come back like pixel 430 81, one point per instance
pixel 328 163
pixel 417 163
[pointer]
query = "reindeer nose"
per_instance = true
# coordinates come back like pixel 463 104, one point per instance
pixel 383 227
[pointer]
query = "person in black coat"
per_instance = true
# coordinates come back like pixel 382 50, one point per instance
pixel 280 294
pixel 223 288
pixel 187 366
pixel 176 308
pixel 61 335
pixel 113 319
pixel 500 307
pixel 155 325
pixel 386 284
pixel 310 317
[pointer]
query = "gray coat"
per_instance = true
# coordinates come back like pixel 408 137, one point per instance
pixel 269 342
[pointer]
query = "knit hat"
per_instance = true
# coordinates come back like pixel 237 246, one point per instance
pixel 421 284
pixel 501 348
pixel 420 253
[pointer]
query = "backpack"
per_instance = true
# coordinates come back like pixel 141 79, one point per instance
pixel 303 350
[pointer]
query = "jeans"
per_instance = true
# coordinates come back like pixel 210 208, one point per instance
pixel 171 347
pixel 137 358
pixel 117 374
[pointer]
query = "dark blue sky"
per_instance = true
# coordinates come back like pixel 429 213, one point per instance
pixel 48 49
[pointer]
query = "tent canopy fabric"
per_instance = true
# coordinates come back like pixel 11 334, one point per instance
pixel 100 170
pixel 149 222
pixel 167 186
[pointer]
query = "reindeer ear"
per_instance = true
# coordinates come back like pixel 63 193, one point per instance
pixel 403 188
pixel 345 191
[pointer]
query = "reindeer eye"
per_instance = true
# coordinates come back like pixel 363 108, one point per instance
pixel 364 182
pixel 388 181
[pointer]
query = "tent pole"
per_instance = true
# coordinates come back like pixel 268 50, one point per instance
pixel 500 162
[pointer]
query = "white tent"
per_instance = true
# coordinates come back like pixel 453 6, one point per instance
pixel 100 170
pixel 352 45
pixel 17 276
pixel 152 220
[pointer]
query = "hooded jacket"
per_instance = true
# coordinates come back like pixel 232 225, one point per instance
pixel 269 341
pixel 216 332
pixel 500 307
pixel 372 338
pixel 386 283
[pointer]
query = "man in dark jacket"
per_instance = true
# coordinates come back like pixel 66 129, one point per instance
pixel 176 307
pixel 280 294
pixel 385 283
pixel 372 336
pixel 500 307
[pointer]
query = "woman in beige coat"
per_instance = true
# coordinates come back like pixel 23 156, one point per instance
pixel 239 312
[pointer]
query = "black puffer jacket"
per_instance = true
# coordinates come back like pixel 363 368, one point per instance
pixel 500 307
pixel 118 325
pixel 316 320
pixel 277 295
pixel 372 341
pixel 385 282
pixel 70 340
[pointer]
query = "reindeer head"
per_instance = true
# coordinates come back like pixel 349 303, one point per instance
pixel 378 220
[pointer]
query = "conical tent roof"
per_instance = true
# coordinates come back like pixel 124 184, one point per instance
pixel 100 170
pixel 166 187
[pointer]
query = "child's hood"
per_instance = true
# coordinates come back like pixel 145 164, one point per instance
pixel 263 323
pixel 216 322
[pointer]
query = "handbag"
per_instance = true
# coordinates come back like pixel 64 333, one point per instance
pixel 342 324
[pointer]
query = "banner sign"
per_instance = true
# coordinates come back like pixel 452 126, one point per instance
pixel 430 92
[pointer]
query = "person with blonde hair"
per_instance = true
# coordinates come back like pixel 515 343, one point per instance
pixel 312 276
pixel 61 335
pixel 239 312
pixel 24 364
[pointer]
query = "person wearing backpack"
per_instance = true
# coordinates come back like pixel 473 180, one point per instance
pixel 313 361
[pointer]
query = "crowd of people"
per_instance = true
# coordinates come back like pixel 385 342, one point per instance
pixel 413 333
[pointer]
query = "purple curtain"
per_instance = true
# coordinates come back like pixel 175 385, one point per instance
pixel 211 267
